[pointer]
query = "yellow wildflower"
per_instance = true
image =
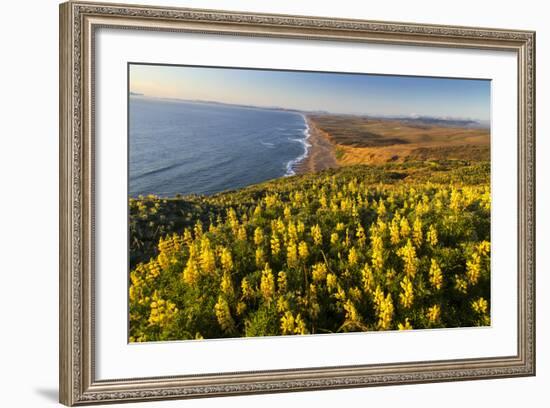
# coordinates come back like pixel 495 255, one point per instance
pixel 319 272
pixel 473 269
pixel 267 283
pixel 407 295
pixel 405 326
pixel 431 237
pixel 434 313
pixel 353 257
pixel 258 236
pixel 223 315
pixel 480 305
pixel 317 235
pixel 275 244
pixel 436 277
pixel 226 260
pixel 303 250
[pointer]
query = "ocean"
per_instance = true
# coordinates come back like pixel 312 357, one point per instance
pixel 178 147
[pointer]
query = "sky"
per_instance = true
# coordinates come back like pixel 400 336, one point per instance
pixel 310 91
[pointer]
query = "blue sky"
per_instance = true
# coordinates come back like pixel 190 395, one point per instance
pixel 333 92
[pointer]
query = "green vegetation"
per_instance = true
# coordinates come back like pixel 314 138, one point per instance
pixel 395 246
pixel 339 153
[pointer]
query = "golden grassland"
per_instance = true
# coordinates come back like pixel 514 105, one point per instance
pixel 359 140
pixel 388 247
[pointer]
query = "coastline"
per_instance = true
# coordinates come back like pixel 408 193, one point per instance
pixel 321 153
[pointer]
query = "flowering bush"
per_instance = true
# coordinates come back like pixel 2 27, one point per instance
pixel 399 246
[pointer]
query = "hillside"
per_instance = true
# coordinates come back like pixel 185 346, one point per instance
pixel 360 140
pixel 395 246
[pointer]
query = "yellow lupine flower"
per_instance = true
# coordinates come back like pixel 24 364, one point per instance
pixel 280 227
pixel 473 269
pixel 187 237
pixel 381 226
pixel 281 282
pixel 271 200
pixel 377 252
pixel 153 270
pixel 292 325
pixel 483 248
pixel 332 282
pixel 378 297
pixel 334 238
pixel 223 315
pixel 353 257
pixel 405 228
pixel 197 230
pixel 287 323
pixel 292 254
pixel 303 251
pixel 275 244
pixel 267 283
pixel 226 286
pixel 207 257
pixel 480 305
pixel 241 234
pixel 226 260
pixel 431 237
pixel 434 313
pixel 436 277
pixel 300 325
pixel 246 290
pixel 385 314
pixel 456 200
pixel 367 277
pixel 461 284
pixel 292 231
pixel 191 271
pixel 417 232
pixel 241 308
pixel 162 311
pixel 351 314
pixel 323 201
pixel 258 236
pixel 381 209
pixel 394 231
pixel 408 254
pixel 319 272
pixel 486 200
pixel 287 212
pixel 257 211
pixel 407 295
pixel 317 235
pixel 405 326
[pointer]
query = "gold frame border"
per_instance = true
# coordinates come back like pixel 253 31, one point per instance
pixel 78 22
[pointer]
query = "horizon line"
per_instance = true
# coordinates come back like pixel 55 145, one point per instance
pixel 410 116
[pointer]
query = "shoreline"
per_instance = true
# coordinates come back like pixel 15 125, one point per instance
pixel 293 165
pixel 321 153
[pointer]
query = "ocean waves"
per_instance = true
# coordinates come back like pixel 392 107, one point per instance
pixel 291 165
pixel 187 148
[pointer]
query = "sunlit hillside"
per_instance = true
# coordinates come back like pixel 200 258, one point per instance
pixel 387 247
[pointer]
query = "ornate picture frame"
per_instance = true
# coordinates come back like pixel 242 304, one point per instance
pixel 79 22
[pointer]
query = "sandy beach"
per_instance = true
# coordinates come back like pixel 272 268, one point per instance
pixel 321 153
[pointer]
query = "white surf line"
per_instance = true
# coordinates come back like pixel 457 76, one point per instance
pixel 292 163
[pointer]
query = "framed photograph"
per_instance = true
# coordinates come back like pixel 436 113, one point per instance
pixel 258 203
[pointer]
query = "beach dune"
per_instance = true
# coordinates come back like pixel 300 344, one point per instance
pixel 321 154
